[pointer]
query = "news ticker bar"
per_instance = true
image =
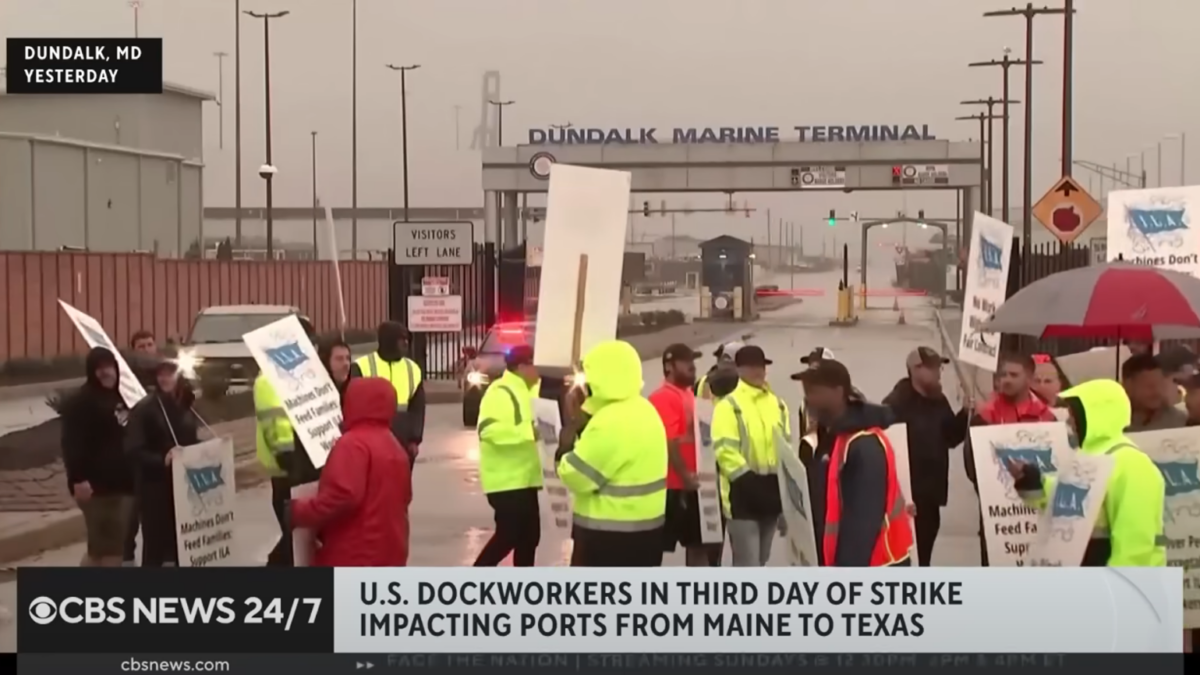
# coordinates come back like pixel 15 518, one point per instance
pixel 84 66
pixel 605 664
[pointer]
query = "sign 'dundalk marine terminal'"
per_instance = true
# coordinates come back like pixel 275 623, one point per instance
pixel 835 133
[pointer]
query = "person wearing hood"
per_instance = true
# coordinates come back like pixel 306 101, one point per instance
pixel 750 429
pixel 360 511
pixel 1129 530
pixel 617 469
pixel 336 357
pixel 160 425
pixel 99 475
pixel 860 518
pixel 390 361
pixel 933 429
pixel 282 455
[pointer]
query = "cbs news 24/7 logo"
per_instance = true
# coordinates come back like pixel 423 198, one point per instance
pixel 84 66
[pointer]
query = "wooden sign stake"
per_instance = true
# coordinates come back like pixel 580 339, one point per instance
pixel 580 300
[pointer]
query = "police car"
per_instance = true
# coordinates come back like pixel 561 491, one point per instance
pixel 486 364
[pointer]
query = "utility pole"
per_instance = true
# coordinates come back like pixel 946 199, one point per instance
pixel 314 194
pixel 1029 13
pixel 237 121
pixel 404 70
pixel 1068 94
pixel 1004 64
pixel 221 97
pixel 988 135
pixel 771 257
pixel 137 7
pixel 500 106
pixel 457 112
pixel 268 176
pixel 354 129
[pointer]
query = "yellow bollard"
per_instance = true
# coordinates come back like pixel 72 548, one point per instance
pixel 845 308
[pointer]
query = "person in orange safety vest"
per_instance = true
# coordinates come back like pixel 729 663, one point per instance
pixel 860 517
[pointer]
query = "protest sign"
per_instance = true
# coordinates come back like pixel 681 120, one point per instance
pixel 205 496
pixel 587 213
pixel 797 506
pixel 1153 228
pixel 94 335
pixel 556 500
pixel 897 435
pixel 1065 525
pixel 1177 454
pixel 290 363
pixel 1010 525
pixel 987 284
pixel 708 496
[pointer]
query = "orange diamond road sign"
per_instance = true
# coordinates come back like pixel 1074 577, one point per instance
pixel 1067 210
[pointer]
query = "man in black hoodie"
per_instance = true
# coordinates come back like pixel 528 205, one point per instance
pixel 933 429
pixel 99 474
pixel 864 477
pixel 391 362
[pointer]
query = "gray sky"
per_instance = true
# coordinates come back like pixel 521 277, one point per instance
pixel 658 63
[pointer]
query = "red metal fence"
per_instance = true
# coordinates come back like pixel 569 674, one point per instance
pixel 131 291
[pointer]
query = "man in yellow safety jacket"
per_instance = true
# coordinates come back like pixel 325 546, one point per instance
pixel 391 362
pixel 750 428
pixel 510 466
pixel 282 456
pixel 1129 529
pixel 617 468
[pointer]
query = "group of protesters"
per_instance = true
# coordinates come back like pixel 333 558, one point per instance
pixel 117 456
pixel 632 501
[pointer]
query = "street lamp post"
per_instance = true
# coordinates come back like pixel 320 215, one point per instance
pixel 1004 64
pixel 268 171
pixel 988 137
pixel 404 70
pixel 237 122
pixel 314 194
pixel 136 5
pixel 500 106
pixel 354 129
pixel 221 97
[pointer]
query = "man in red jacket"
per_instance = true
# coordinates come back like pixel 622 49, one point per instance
pixel 360 511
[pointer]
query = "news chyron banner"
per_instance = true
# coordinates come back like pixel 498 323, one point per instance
pixel 175 610
pixel 678 621
pixel 84 66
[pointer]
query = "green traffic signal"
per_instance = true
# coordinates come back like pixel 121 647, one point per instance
pixel 832 222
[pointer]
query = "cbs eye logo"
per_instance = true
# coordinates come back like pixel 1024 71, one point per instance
pixel 43 610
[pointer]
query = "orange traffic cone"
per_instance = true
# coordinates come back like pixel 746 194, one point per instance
pixel 901 322
pixel 896 304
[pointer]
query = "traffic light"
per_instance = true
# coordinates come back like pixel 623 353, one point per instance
pixel 832 217
pixel 921 214
pixel 646 209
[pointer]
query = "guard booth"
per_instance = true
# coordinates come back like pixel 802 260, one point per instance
pixel 726 279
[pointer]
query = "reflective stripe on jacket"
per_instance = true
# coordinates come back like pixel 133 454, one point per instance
pixel 617 471
pixel 895 532
pixel 744 437
pixel 273 430
pixel 405 375
pixel 508 450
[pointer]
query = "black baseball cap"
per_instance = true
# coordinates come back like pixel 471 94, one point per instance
pixel 519 355
pixel 827 373
pixel 751 355
pixel 680 352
